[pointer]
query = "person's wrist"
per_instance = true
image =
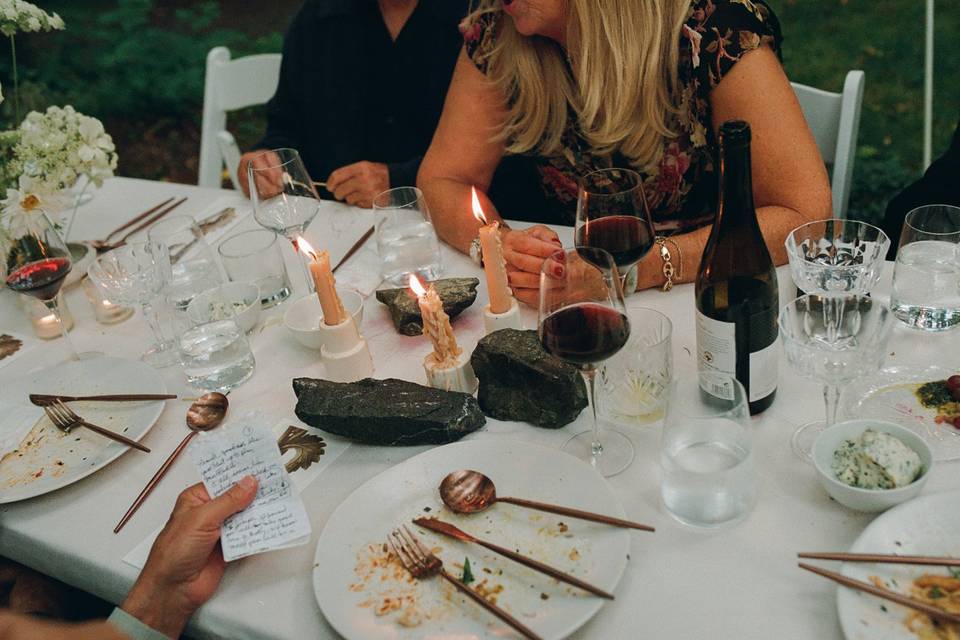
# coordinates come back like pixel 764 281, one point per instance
pixel 157 606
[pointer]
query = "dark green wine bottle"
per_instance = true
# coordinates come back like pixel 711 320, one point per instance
pixel 736 288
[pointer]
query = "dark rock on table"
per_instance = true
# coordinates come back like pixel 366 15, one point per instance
pixel 387 412
pixel 456 294
pixel 520 381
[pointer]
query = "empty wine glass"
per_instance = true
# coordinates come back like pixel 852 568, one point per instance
pixel 283 196
pixel 193 266
pixel 136 274
pixel 583 320
pixel 833 355
pixel 612 214
pixel 36 261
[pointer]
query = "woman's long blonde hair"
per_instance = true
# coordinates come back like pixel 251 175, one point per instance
pixel 623 90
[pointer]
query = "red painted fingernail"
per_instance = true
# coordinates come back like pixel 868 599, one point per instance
pixel 558 271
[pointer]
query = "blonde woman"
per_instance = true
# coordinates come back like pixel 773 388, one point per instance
pixel 578 85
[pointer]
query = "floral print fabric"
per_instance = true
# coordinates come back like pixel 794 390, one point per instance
pixel 681 185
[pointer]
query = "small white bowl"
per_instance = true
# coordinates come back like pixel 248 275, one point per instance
pixel 869 500
pixel 244 296
pixel 303 317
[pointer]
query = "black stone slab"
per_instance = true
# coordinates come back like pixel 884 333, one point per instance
pixel 456 294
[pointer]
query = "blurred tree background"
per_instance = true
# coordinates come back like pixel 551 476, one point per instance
pixel 138 65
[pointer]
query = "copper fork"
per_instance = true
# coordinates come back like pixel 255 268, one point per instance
pixel 65 419
pixel 421 563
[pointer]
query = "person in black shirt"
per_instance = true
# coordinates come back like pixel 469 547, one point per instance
pixel 362 85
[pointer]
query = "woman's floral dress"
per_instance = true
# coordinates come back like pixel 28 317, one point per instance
pixel 681 186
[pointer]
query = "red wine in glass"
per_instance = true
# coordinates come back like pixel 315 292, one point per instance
pixel 627 238
pixel 584 334
pixel 41 279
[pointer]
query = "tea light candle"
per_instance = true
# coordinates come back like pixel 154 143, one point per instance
pixel 104 311
pixel 42 320
pixel 494 265
pixel 333 311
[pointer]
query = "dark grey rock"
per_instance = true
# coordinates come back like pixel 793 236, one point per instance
pixel 387 412
pixel 456 294
pixel 520 381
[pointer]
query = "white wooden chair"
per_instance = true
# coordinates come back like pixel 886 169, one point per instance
pixel 834 119
pixel 230 85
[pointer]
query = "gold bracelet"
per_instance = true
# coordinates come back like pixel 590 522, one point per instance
pixel 665 255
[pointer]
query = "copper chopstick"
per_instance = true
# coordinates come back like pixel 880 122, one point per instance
pixel 138 218
pixel 884 558
pixel 575 513
pixel 356 247
pixel 149 221
pixel 886 594
pixel 40 399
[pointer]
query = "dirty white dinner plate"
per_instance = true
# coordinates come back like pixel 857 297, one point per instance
pixel 54 459
pixel 927 526
pixel 366 596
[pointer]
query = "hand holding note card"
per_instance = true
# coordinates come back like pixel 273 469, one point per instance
pixel 276 519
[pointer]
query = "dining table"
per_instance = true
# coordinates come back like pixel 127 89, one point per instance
pixel 740 582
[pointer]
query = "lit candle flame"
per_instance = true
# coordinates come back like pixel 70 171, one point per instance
pixel 417 286
pixel 477 209
pixel 305 247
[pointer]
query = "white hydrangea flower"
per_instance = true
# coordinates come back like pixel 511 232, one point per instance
pixel 60 145
pixel 25 17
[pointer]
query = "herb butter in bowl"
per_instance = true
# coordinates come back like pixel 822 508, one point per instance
pixel 871 465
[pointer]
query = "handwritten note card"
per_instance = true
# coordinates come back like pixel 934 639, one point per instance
pixel 276 519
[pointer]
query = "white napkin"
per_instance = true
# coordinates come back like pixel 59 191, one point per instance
pixel 18 420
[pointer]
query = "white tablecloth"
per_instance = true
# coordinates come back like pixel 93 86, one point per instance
pixel 738 583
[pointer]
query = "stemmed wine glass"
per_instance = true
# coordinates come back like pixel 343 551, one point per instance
pixel 137 273
pixel 612 214
pixel 834 354
pixel 583 320
pixel 283 196
pixel 36 261
pixel 833 259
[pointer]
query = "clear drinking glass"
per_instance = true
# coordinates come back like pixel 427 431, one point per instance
pixel 193 264
pixel 136 274
pixel 254 256
pixel 284 197
pixel 837 256
pixel 926 277
pixel 582 320
pixel 214 350
pixel 406 239
pixel 612 214
pixel 634 382
pixel 833 354
pixel 707 473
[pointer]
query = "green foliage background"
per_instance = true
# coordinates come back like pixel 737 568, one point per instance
pixel 138 65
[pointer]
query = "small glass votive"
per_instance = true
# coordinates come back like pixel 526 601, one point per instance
pixel 254 256
pixel 633 383
pixel 42 319
pixel 707 473
pixel 104 311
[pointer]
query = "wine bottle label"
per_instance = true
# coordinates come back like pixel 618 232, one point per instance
pixel 763 372
pixel 717 351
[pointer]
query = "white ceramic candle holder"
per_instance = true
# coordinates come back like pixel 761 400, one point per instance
pixel 345 353
pixel 459 377
pixel 509 319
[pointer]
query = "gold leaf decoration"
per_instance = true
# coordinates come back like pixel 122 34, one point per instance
pixel 8 345
pixel 309 447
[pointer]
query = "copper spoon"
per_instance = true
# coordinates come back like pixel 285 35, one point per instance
pixel 468 491
pixel 203 415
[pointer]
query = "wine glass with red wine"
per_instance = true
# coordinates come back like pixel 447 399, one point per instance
pixel 36 262
pixel 583 321
pixel 612 214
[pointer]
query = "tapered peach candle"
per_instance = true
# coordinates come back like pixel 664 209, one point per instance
pixel 436 324
pixel 333 311
pixel 494 265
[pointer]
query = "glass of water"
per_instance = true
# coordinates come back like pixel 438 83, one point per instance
pixel 926 277
pixel 193 265
pixel 707 473
pixel 633 383
pixel 254 256
pixel 213 348
pixel 406 239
